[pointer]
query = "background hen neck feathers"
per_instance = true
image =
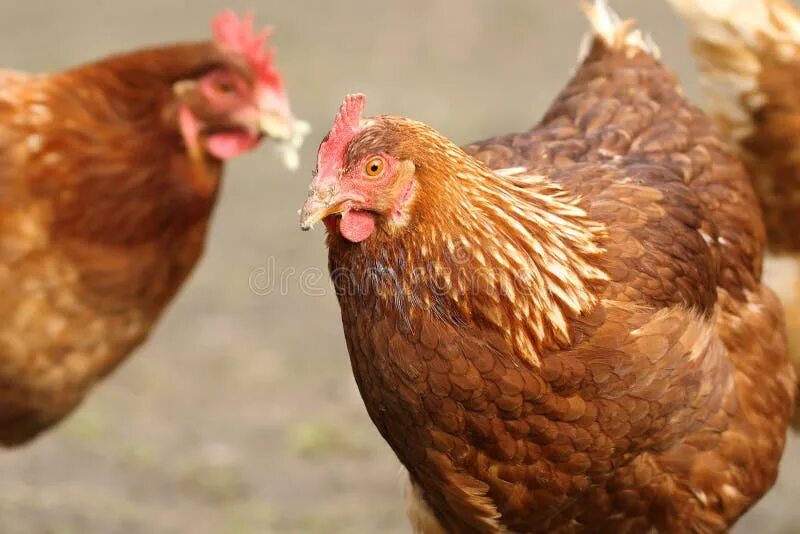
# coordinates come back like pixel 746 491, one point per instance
pixel 129 174
pixel 166 64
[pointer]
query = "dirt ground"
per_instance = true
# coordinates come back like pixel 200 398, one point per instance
pixel 241 415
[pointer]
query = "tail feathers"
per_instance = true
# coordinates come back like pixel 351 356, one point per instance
pixel 754 23
pixel 732 40
pixel 613 31
pixel 786 17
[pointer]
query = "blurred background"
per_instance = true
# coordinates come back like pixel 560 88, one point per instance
pixel 241 414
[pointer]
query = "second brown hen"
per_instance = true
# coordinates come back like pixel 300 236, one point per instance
pixel 109 173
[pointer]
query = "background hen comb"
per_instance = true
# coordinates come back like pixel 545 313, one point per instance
pixel 237 35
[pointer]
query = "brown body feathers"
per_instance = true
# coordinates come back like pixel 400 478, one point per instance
pixel 564 330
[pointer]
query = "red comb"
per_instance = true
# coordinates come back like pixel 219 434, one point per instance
pixel 345 128
pixel 237 35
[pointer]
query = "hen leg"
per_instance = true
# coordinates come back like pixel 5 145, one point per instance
pixel 792 306
pixel 782 274
pixel 420 515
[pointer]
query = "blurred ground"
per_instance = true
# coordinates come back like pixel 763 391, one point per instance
pixel 241 414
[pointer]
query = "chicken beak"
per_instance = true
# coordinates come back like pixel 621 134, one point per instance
pixel 322 202
pixel 289 133
pixel 276 125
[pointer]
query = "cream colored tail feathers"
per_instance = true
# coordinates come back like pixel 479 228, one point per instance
pixel 614 31
pixel 731 38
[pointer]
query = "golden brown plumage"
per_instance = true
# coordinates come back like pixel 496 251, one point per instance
pixel 107 181
pixel 749 54
pixel 561 330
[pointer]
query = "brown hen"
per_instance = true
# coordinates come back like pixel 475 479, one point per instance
pixel 749 53
pixel 561 330
pixel 108 176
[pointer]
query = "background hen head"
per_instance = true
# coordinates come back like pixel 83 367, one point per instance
pixel 230 105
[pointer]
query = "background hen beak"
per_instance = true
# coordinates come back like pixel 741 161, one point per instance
pixel 288 132
pixel 276 125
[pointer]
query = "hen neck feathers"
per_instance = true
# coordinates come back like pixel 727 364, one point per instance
pixel 109 156
pixel 513 254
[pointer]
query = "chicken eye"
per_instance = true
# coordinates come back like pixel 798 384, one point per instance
pixel 374 167
pixel 224 87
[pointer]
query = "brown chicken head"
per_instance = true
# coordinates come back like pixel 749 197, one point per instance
pixel 366 177
pixel 228 109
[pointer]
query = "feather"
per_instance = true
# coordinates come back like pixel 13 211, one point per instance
pixel 613 31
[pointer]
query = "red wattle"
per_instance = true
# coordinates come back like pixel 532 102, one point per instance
pixel 356 226
pixel 228 145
